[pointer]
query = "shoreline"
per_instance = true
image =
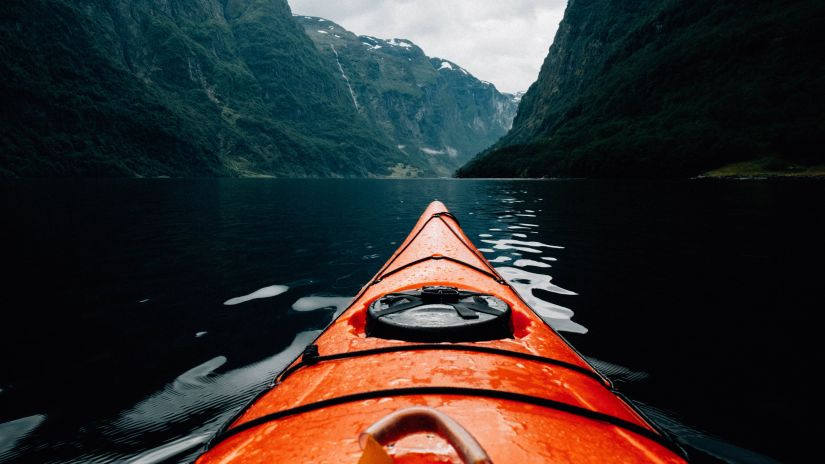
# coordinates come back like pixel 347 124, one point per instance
pixel 761 169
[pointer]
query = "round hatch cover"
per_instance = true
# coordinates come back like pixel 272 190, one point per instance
pixel 439 314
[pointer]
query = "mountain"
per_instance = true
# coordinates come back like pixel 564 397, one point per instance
pixel 178 88
pixel 425 105
pixel 671 88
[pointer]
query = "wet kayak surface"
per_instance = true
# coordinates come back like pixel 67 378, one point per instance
pixel 140 314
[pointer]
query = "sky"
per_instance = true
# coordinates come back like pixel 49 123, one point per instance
pixel 503 42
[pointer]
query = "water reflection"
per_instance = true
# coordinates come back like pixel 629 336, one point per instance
pixel 315 302
pixel 505 243
pixel 152 292
pixel 703 445
pixel 200 400
pixel 525 283
pixel 13 431
pixel 530 262
pixel 266 292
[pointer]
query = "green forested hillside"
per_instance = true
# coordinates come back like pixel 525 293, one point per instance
pixel 177 88
pixel 430 107
pixel 671 88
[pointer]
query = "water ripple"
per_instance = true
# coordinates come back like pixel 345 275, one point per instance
pixel 315 302
pixel 13 431
pixel 200 400
pixel 266 292
pixel 529 263
pixel 505 241
pixel 171 449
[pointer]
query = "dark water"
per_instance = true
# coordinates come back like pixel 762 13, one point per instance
pixel 699 298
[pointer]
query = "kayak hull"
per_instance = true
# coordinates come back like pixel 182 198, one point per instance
pixel 529 398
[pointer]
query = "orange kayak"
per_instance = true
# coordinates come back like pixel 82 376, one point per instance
pixel 439 360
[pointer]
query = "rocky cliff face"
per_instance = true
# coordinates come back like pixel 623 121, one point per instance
pixel 670 88
pixel 178 87
pixel 579 50
pixel 426 106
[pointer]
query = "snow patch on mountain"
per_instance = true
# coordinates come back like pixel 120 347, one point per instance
pixel 448 65
pixel 403 43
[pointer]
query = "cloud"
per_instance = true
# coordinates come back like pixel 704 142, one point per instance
pixel 501 42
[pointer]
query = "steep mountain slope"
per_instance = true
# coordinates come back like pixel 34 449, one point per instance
pixel 671 88
pixel 178 88
pixel 425 105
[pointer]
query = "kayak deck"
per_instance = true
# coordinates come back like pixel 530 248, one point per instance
pixel 529 398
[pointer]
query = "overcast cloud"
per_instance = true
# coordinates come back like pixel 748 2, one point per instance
pixel 503 42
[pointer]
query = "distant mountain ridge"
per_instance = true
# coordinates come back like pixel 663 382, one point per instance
pixel 147 88
pixel 424 104
pixel 656 88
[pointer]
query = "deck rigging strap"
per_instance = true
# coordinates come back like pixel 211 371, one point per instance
pixel 380 274
pixel 311 357
pixel 462 391
pixel 489 274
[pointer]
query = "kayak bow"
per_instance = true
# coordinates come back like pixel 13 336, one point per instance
pixel 438 359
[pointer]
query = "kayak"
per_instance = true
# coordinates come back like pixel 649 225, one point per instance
pixel 439 360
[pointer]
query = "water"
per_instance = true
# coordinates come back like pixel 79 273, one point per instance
pixel 139 314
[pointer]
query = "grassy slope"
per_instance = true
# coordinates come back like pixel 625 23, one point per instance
pixel 766 167
pixel 689 87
